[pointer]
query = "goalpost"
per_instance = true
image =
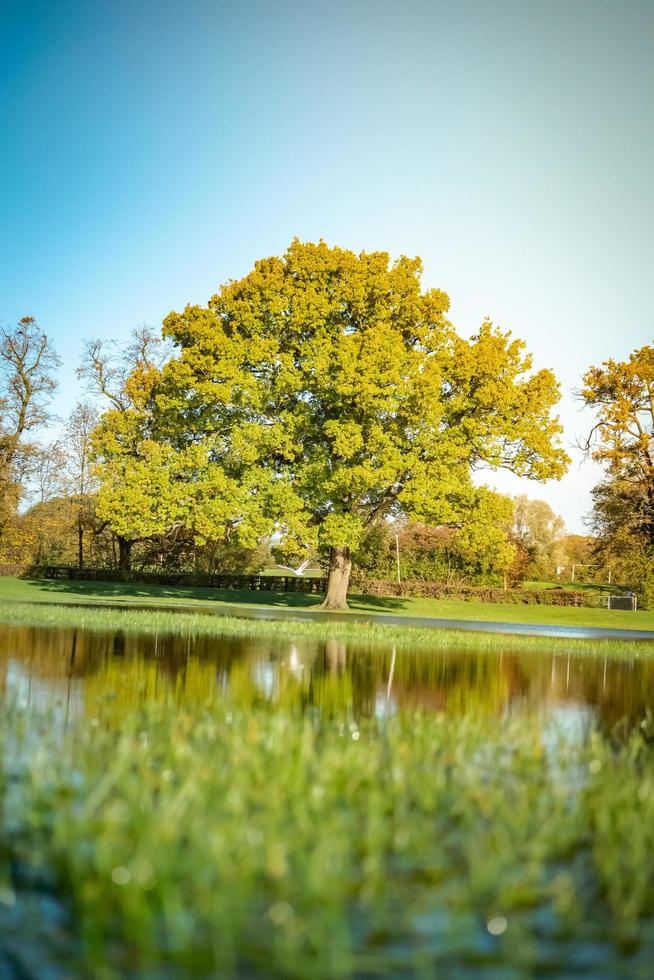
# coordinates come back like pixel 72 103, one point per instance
pixel 629 602
pixel 579 564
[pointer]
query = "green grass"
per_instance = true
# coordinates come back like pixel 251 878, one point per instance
pixel 403 639
pixel 230 842
pixel 12 589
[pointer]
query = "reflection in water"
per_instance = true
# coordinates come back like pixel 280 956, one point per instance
pixel 76 670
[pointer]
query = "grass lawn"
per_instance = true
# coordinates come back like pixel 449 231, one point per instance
pixel 370 635
pixel 93 592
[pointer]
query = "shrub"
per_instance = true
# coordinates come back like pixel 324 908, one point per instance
pixel 443 590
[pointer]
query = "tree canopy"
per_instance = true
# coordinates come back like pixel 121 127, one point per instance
pixel 622 395
pixel 326 391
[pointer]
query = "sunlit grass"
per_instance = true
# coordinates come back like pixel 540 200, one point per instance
pixel 46 591
pixel 404 638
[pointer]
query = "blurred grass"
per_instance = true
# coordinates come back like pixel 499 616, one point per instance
pixel 229 842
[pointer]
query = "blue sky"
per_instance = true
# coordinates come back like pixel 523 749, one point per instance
pixel 153 149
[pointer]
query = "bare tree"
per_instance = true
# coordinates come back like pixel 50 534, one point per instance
pixel 27 365
pixel 46 472
pixel 45 483
pixel 80 480
pixel 106 369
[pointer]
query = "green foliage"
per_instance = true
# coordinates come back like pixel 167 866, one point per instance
pixel 540 532
pixel 637 567
pixel 325 390
pixel 483 536
pixel 478 552
pixel 622 394
pixel 645 580
pixel 311 399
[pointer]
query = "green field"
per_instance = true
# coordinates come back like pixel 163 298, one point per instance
pixel 92 592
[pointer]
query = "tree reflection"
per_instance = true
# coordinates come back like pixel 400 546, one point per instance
pixel 335 677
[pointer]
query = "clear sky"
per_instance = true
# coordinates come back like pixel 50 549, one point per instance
pixel 152 149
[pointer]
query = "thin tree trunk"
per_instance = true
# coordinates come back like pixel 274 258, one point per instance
pixel 340 569
pixel 80 545
pixel 124 553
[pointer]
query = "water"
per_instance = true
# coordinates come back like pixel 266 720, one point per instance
pixel 71 671
pixel 476 825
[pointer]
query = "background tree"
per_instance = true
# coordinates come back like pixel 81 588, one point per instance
pixel 46 485
pixel 113 371
pixel 622 395
pixel 80 480
pixel 579 549
pixel 540 531
pixel 134 483
pixel 325 391
pixel 478 553
pixel 484 536
pixel 27 367
pixel 40 532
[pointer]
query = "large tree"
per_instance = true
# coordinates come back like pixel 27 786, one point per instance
pixel 326 391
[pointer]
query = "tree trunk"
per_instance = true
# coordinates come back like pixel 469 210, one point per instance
pixel 124 553
pixel 80 545
pixel 340 569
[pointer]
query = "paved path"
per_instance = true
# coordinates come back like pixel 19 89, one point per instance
pixel 241 611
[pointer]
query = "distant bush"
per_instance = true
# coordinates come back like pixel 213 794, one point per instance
pixel 442 590
pixel 427 554
pixel 642 575
pixel 12 568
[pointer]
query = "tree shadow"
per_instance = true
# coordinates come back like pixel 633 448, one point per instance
pixel 379 603
pixel 141 591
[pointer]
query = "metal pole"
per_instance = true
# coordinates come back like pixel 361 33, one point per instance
pixel 397 555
